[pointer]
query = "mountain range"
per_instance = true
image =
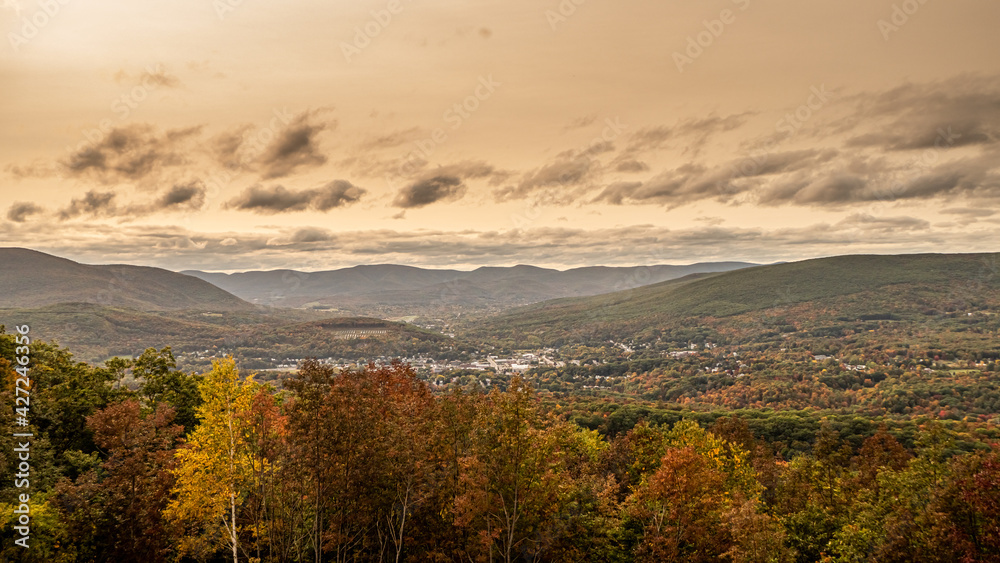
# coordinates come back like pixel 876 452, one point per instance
pixel 393 290
pixel 937 300
pixel 104 310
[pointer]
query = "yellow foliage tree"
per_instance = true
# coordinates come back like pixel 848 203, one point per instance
pixel 214 470
pixel 730 459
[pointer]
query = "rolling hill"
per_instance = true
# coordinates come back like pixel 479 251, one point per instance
pixel 103 311
pixel 94 333
pixel 31 279
pixel 846 289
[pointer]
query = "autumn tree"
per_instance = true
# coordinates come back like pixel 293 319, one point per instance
pixel 272 510
pixel 404 412
pixel 681 506
pixel 687 502
pixel 362 442
pixel 978 489
pixel 130 491
pixel 449 440
pixel 336 451
pixel 510 482
pixel 214 471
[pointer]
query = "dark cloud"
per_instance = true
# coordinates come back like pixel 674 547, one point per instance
pixel 712 124
pixel 819 178
pixel 887 225
pixel 928 135
pixel 470 170
pixel 181 134
pixel 969 212
pixel 565 173
pixel 958 112
pixel 338 193
pixel 838 190
pixel 153 76
pixel 86 159
pixel 431 190
pixel 694 132
pixel 618 192
pixel 574 172
pixel 686 184
pixel 294 147
pixel 781 162
pixel 37 169
pixel 93 203
pixel 413 166
pixel 877 180
pixel 20 211
pixel 394 139
pixel 278 199
pixel 311 235
pixel 189 196
pixel 649 138
pixel 599 147
pixel 227 147
pixel 413 172
pixel 632 166
pixel 159 77
pixel 131 152
pixel 581 122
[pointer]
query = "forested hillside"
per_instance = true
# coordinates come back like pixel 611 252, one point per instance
pixel 96 333
pixel 137 461
pixel 30 279
pixel 798 300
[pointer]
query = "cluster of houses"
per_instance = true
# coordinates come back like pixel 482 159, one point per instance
pixel 515 364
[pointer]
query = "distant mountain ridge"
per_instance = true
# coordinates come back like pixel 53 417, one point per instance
pixel 30 279
pixel 393 288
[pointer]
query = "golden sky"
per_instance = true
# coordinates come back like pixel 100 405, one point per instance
pixel 243 134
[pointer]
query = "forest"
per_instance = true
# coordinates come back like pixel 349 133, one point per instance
pixel 135 460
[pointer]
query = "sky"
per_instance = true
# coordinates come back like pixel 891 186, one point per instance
pixel 233 135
